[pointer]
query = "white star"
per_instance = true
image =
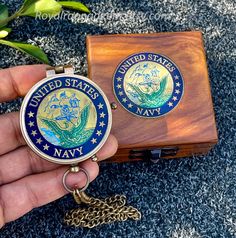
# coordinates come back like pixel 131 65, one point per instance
pixel 178 84
pixel 176 77
pixel 45 147
pixel 130 105
pixel 177 91
pixel 102 115
pixel 175 98
pixel 31 114
pixel 34 133
pixel 170 104
pixel 100 106
pixel 98 133
pixel 124 100
pixel 102 124
pixel 94 140
pixel 121 93
pixel 39 141
pixel 31 123
pixel 118 86
pixel 119 79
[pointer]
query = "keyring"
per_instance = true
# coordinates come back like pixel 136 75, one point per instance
pixel 75 169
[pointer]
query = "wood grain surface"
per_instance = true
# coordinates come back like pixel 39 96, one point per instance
pixel 191 125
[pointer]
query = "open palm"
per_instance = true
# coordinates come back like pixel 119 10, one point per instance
pixel 26 180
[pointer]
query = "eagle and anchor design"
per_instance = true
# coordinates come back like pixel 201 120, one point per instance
pixel 148 84
pixel 146 87
pixel 64 118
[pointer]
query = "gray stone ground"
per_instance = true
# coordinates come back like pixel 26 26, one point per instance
pixel 191 197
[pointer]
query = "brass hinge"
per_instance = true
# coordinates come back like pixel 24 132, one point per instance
pixel 62 69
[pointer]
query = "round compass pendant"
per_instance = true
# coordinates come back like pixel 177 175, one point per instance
pixel 65 118
pixel 148 85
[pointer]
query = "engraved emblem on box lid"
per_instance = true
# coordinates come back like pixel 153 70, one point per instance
pixel 65 119
pixel 148 85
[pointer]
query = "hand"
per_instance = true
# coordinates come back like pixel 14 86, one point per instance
pixel 26 180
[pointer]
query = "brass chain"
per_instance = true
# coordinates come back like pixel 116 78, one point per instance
pixel 97 212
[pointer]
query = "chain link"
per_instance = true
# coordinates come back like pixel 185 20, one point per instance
pixel 97 212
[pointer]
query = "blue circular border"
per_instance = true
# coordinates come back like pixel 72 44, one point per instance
pixel 177 90
pixel 88 146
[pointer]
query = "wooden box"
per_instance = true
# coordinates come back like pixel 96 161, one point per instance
pixel 187 130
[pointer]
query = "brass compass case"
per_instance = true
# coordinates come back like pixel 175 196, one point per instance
pixel 65 118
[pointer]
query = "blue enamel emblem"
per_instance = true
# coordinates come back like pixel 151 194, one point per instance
pixel 66 118
pixel 148 85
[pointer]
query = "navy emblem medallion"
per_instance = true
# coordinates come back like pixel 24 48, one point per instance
pixel 65 119
pixel 148 85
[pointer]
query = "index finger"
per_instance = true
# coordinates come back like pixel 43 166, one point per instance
pixel 16 82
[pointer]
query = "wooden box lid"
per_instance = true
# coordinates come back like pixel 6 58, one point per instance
pixel 191 125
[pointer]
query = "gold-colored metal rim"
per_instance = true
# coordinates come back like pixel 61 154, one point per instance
pixel 74 170
pixel 50 158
